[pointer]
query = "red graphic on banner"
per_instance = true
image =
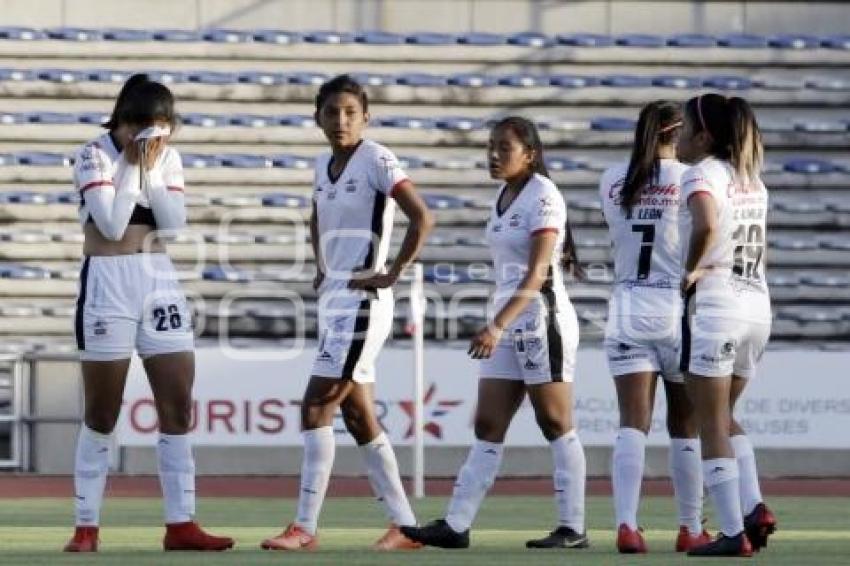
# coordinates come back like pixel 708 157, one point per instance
pixel 431 410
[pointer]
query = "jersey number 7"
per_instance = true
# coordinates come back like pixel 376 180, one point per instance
pixel 645 255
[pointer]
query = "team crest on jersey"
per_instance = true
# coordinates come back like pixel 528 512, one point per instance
pixel 515 220
pixel 332 193
pixel 621 347
pixel 546 205
pixel 99 328
pixel 389 163
pixel 351 186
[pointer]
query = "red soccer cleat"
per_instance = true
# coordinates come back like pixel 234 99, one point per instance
pixel 737 545
pixel 686 541
pixel 84 540
pixel 394 539
pixel 629 541
pixel 759 524
pixel 293 538
pixel 190 536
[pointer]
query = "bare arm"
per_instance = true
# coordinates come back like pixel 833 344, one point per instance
pixel 703 231
pixel 317 248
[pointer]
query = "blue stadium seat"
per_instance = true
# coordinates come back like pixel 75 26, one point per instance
pixel 74 34
pixel 566 124
pixel 107 76
pixel 167 77
pixel 51 118
pixel 307 78
pixel 265 78
pixel 454 163
pixel 627 81
pixel 8 159
pixel 122 34
pixel 250 120
pixel 203 120
pixel 212 77
pixel 482 39
pixel 17 75
pixel 283 200
pixel 585 39
pixel 676 81
pixel 445 274
pixel 783 280
pixel 613 124
pixel 13 118
pixel 692 40
pixel 276 36
pixel 775 125
pixel 218 35
pixel 18 271
pixel 244 160
pixel 406 122
pixel 218 273
pixel 821 126
pixel 727 82
pixel 787 243
pixel 176 35
pixel 287 161
pixel 640 40
pixel 472 241
pixel 236 200
pixel 473 80
pixel 835 244
pixel 430 38
pixel 555 163
pixel 572 81
pixel 412 162
pixel 43 159
pixel 530 39
pixel 296 120
pixel 61 75
pixel 421 79
pixel 780 83
pixel 800 206
pixel 524 80
pixel 825 281
pixel 379 38
pixel 199 160
pixel 27 197
pixel 836 42
pixel 743 41
pixel 810 166
pixel 443 202
pixel 21 33
pixel 68 197
pixel 459 123
pixel 328 37
pixel 794 41
pixel 832 83
pixel 373 79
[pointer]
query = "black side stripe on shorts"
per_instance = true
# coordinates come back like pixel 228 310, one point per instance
pixel 554 343
pixel 81 303
pixel 358 340
pixel 377 230
pixel 685 359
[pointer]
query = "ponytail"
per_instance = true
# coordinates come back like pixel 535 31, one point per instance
pixel 734 132
pixel 657 126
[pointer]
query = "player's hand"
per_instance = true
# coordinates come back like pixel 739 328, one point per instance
pixel 484 342
pixel 689 279
pixel 153 151
pixel 362 280
pixel 317 280
pixel 132 153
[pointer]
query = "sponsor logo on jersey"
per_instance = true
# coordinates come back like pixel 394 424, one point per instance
pixel 621 347
pixel 515 220
pixel 332 193
pixel 350 186
pixel 100 328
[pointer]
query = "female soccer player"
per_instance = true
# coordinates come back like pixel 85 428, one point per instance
pixel 640 202
pixel 356 187
pixel 528 347
pixel 131 185
pixel 722 220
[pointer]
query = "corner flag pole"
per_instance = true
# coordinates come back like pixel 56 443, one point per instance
pixel 417 315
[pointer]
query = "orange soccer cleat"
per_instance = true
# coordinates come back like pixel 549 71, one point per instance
pixel 84 540
pixel 190 536
pixel 686 541
pixel 293 538
pixel 629 541
pixel 394 539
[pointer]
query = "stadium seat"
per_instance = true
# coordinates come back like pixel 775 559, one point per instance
pixel 250 120
pixel 831 83
pixel 743 41
pixel 297 121
pixel 585 40
pixel 782 280
pixel 68 237
pixel 226 36
pixel 74 34
pixel 50 118
pixel 307 78
pixel 446 274
pixel 473 80
pixel 791 244
pixel 276 239
pixel 775 125
pixel 555 163
pixel 373 79
pixel 68 197
pixel 794 41
pixel 626 81
pixel 572 81
pixel 779 83
pixel 244 161
pixel 454 163
pixel 567 124
pixel 106 76
pixel 263 78
pixel 459 123
pixel 431 38
pixel 640 40
pixel 123 34
pixel 203 120
pixel 443 202
pixel 61 75
pixel 283 200
pixel 27 197
pixel 692 40
pixel 421 79
pixel 836 42
pixel 167 77
pixel 676 81
pixel 8 159
pixel 837 282
pixel 199 161
pixel 21 33
pixel 608 124
pixel 413 162
pixel 725 82
pixel 524 80
pixel 482 39
pixel 835 244
pixel 328 37
pixel 236 201
pixel 228 237
pixel 18 271
pixel 287 161
pixel 821 126
pixel 810 166
pixel 407 122
pixel 276 36
pixel 43 159
pixel 176 35
pixel 800 206
pixel 13 118
pixel 217 273
pixel 17 75
pixel 26 237
pixel 212 77
pixel 379 38
pixel 530 39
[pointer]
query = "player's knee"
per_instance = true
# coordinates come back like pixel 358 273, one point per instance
pixel 175 418
pixel 489 429
pixel 102 422
pixel 315 415
pixel 552 426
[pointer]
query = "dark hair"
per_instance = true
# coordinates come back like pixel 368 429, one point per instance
pixel 338 85
pixel 526 131
pixel 657 126
pixel 141 102
pixel 732 126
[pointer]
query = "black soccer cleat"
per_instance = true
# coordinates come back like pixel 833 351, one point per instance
pixel 437 533
pixel 562 537
pixel 737 545
pixel 759 524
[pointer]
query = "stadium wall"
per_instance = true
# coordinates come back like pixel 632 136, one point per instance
pixel 548 16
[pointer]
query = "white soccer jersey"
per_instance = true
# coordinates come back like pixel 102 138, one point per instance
pixel 355 213
pixel 646 248
pixel 538 207
pixel 734 284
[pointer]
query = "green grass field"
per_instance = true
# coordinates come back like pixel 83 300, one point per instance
pixel 813 531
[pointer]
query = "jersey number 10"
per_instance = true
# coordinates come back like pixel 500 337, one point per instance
pixel 750 243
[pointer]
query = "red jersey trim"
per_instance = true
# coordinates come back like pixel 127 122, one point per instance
pixel 174 188
pixel 95 184
pixel 699 192
pixel 543 230
pixel 397 185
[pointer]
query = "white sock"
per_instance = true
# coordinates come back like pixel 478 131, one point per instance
pixel 386 481
pixel 721 480
pixel 749 480
pixel 91 466
pixel 474 479
pixel 686 473
pixel 319 451
pixel 570 475
pixel 176 476
pixel 627 474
